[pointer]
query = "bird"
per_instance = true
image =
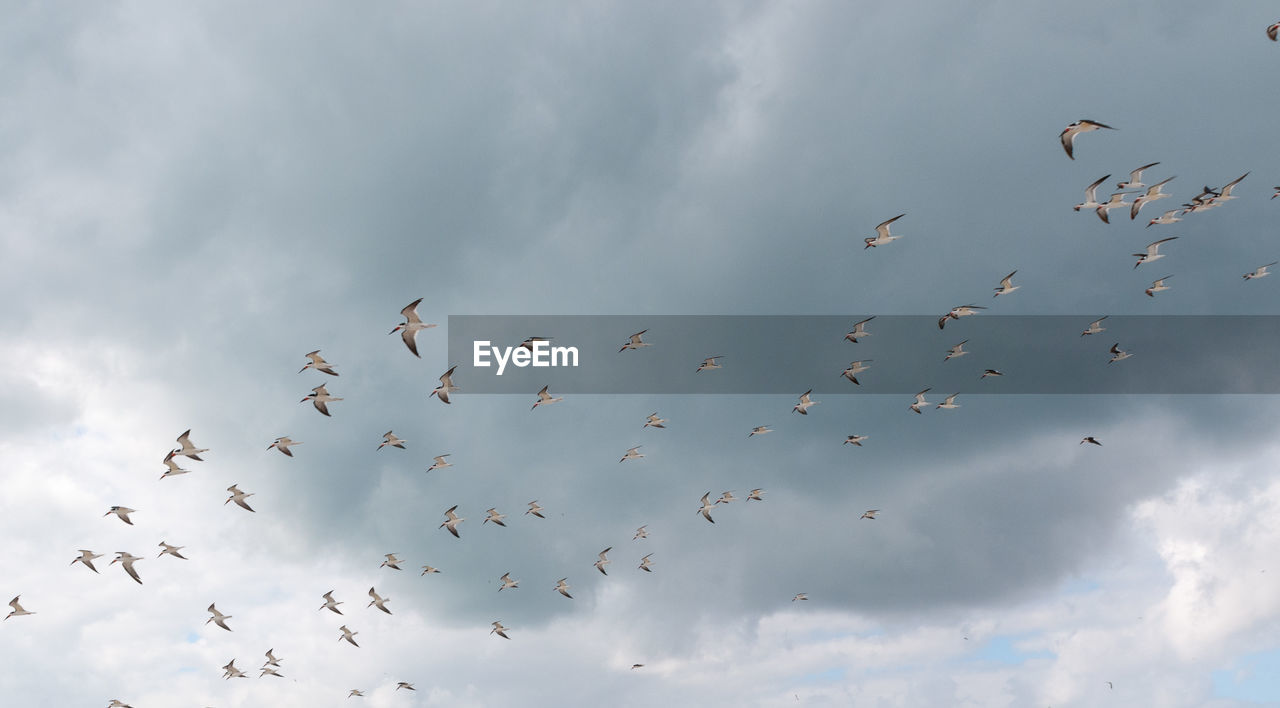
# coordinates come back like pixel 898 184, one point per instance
pixel 1118 354
pixel 17 609
pixel 653 421
pixel 282 444
pixel 501 631
pixel 545 399
pixel 645 563
pixel 171 550
pixel 446 386
pixel 405 685
pixel 1169 217
pixel 869 514
pixel 174 469
pixel 126 561
pixel 411 326
pixel 86 557
pixel 1135 178
pixel 854 369
pixel 1006 285
pixel 330 603
pixel 1091 195
pixel 708 364
pixel 1157 286
pixel 1153 252
pixel 428 569
pixel 756 495
pixel 1068 135
pixel 1110 686
pixel 563 588
pixel 389 438
pixel 271 658
pixel 122 512
pixel 494 516
pixel 1115 202
pixel 603 560
pixel 760 430
pixel 230 671
pixel 634 342
pixel 920 402
pixel 632 454
pixel 238 497
pixel 1277 194
pixel 990 372
pixel 451 521
pixel 320 397
pixel 348 635
pixel 949 403
pixel 1152 194
pixel 637 666
pixel 957 350
pixel 1225 193
pixel 859 330
pixel 958 312
pixel 391 562
pixel 218 618
pixel 726 497
pixel 356 692
pixel 706 508
pixel 1273 32
pixel 187 448
pixel 1091 440
pixel 118 704
pixel 641 533
pixel 853 440
pixel 882 234
pixel 440 462
pixel 269 671
pixel 508 583
pixel 805 403
pixel 1095 327
pixel 378 601
pixel 800 596
pixel 535 509
pixel 528 343
pixel 318 363
pixel 1261 272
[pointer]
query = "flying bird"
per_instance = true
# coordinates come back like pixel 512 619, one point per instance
pixel 508 583
pixel 957 350
pixel 1261 272
pixel 238 497
pixel 1169 217
pixel 405 684
pixel 499 630
pixel 958 312
pixel 451 521
pixel 1115 202
pixel 269 671
pixel 535 509
pixel 126 561
pixel 756 495
pixel 853 440
pixel 86 558
pixel 1118 354
pixel 920 402
pixel 282 444
pixel 187 449
pixel 218 618
pixel 869 514
pixel 854 369
pixel 528 343
pixel 494 516
pixel 356 692
pixel 805 403
pixel 1152 194
pixel 1091 440
pixel 330 603
pixel 603 560
pixel 990 372
pixel 1135 178
pixel 440 462
pixel 230 671
pixel 1095 327
pixel 563 588
pixel 634 342
pixel 320 397
pixel 1272 33
pixel 389 438
pixel 411 326
pixel 1153 252
pixel 391 562
pixel 632 454
pixel 882 234
pixel 173 468
pixel 1006 285
pixel 166 549
pixel 641 533
pixel 1068 135
pixel 348 635
pixel 949 403
pixel 1091 195
pixel 726 497
pixel 378 601
pixel 645 563
pixel 760 430
pixel 706 508
pixel 446 386
pixel 122 512
pixel 271 659
pixel 709 364
pixel 17 609
pixel 859 330
pixel 428 569
pixel 319 364
pixel 1158 286
pixel 653 421
pixel 545 399
pixel 800 596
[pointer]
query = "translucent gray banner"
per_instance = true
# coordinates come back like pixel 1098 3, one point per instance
pixel 903 354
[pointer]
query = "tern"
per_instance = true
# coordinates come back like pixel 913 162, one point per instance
pixel 411 326
pixel 563 588
pixel 499 630
pixel 218 618
pixel 1006 285
pixel 805 403
pixel 320 397
pixel 958 312
pixel 760 430
pixel 603 560
pixel 122 512
pixel 494 516
pixel 1277 194
pixel 378 601
pixel 1090 439
pixel 1153 252
pixel 653 421
pixel 957 350
pixel 635 342
pixel 174 469
pixel 990 372
pixel 949 403
pixel 405 684
pixel 1169 217
pixel 641 533
pixel 854 369
pixel 269 671
pixel 528 343
pixel 391 562
pixel 440 462
pixel 230 671
pixel 126 561
pixel 709 364
pixel 545 399
pixel 1158 286
pixel 645 563
pixel 706 508
pixel 1116 202
pixel 171 550
pixel 859 330
pixel 1091 195
pixel 1261 272
pixel 428 569
pixel 356 692
pixel 271 659
pixel 869 514
pixel 1095 327
pixel 115 703
pixel 852 440
pixel 1068 135
pixel 1152 194
pixel 726 497
pixel 800 596
pixel 632 454
pixel 319 364
pixel 920 402
pixel 637 666
pixel 238 497
pixel 446 386
pixel 451 521
pixel 1135 178
pixel 756 495
pixel 535 509
pixel 508 583
pixel 86 557
pixel 282 444
pixel 330 603
pixel 1225 193
pixel 348 635
pixel 187 448
pixel 17 609
pixel 1118 354
pixel 389 438
pixel 882 234
pixel 1272 33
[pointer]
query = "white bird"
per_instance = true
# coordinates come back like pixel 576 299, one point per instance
pixel 348 635
pixel 535 509
pixel 282 444
pixel 653 421
pixel 166 549
pixel 949 403
pixel 378 601
pixel 1006 285
pixel 800 596
pixel 1169 217
pixel 451 521
pixel 528 343
pixel 1095 327
pixel 174 469
pixel 356 692
pixel 389 438
pixel 603 560
pixel 545 399
pixel 230 671
pixel 320 398
pixel 1135 178
pixel 882 234
pixel 760 430
pixel 1261 272
pixel 238 497
pixel 126 561
pixel 957 350
pixel 1225 193
pixel 635 342
pixel 957 312
pixel 122 512
pixel 1153 252
pixel 17 609
pixel 494 516
pixel 218 618
pixel 756 495
pixel 632 454
pixel 271 659
pixel 1089 439
pixel 1115 202
pixel 269 671
pixel 411 326
pixel 869 514
pixel 805 403
pixel 428 569
pixel 86 557
pixel 508 583
pixel 1273 32
pixel 1152 194
pixel 440 462
pixel 318 363
pixel 990 372
pixel 1158 286
pixel 726 497
pixel 391 562
pixel 1068 135
pixel 920 402
pixel 501 631
pixel 330 603
pixel 1118 354
pixel 118 704
pixel 187 448
pixel 854 369
pixel 641 533
pixel 446 386
pixel 859 330
pixel 706 508
pixel 645 563
pixel 1091 195
pixel 708 364
pixel 405 684
pixel 563 588
pixel 854 440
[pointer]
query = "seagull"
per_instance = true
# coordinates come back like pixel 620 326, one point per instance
pixel 653 421
pixel 1135 178
pixel 267 670
pixel 187 448
pixel 632 454
pixel 645 563
pixel 919 401
pixel 1261 272
pixel 320 397
pixel 409 328
pixel 389 438
pixel 282 444
pixel 218 618
pixel 635 342
pixel 545 399
pixel 869 514
pixel 853 440
pixel 174 469
pixel 708 364
pixel 800 596
pixel 535 509
pixel 440 462
pixel 760 430
pixel 1153 252
pixel 1169 217
pixel 405 684
pixel 1116 202
pixel 1118 354
pixel 17 609
pixel 319 364
pixel 854 369
pixel 379 601
pixel 949 403
pixel 126 561
pixel 356 692
pixel 755 494
pixel 726 497
pixel 230 671
pixel 563 588
pixel 1095 327
pixel 446 386
pixel 1272 33
pixel 271 659
pixel 1090 439
pixel 805 403
pixel 330 603
pixel 1158 286
pixel 859 330
pixel 86 557
pixel 494 516
pixel 508 583
pixel 122 512
pixel 1068 135
pixel 451 521
pixel 348 635
pixel 171 550
pixel 641 533
pixel 958 312
pixel 1006 285
pixel 957 350
pixel 603 560
pixel 1091 195
pixel 428 569
pixel 882 234
pixel 391 562
pixel 706 508
pixel 499 630
pixel 238 497
pixel 990 372
pixel 1152 194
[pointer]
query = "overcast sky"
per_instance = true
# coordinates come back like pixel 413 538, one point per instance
pixel 195 195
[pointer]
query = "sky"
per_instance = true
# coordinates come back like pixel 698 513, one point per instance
pixel 195 195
